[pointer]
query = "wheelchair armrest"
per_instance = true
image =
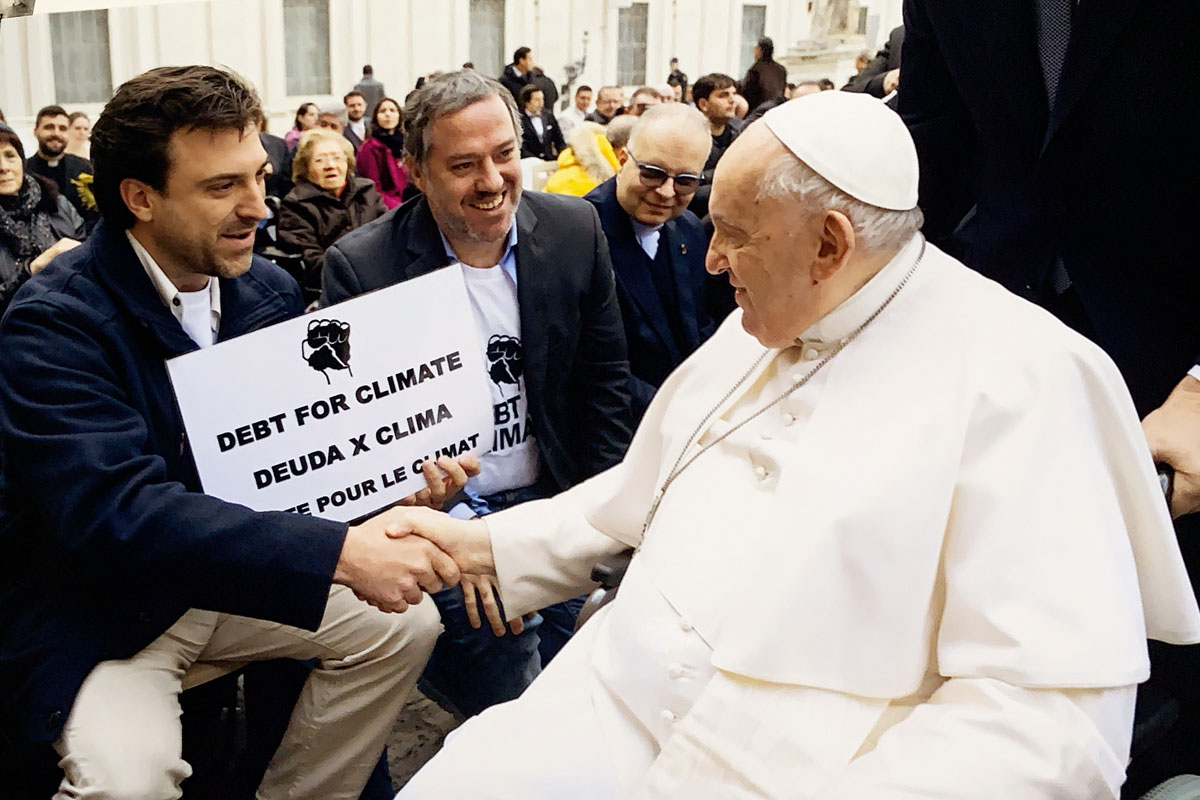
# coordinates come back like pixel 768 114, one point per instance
pixel 609 572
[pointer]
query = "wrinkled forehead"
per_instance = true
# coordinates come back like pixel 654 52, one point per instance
pixel 746 164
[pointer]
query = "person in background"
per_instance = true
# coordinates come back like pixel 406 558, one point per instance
pixel 881 75
pixel 588 162
pixel 714 95
pixel 642 99
pixel 618 132
pixel 36 222
pixel 381 157
pixel 609 103
pixel 330 122
pixel 577 113
pixel 2 120
pixel 71 174
pixel 517 74
pixel 328 201
pixel 371 89
pixel 540 135
pixel 279 179
pixel 740 107
pixel 79 132
pixel 766 79
pixel 306 119
pixel 667 93
pixel 356 116
pixel 678 78
pixel 538 78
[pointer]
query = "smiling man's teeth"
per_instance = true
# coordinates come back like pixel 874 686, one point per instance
pixel 489 206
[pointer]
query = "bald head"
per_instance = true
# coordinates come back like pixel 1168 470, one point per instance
pixel 672 139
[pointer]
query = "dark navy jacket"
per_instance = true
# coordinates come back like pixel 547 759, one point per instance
pixel 105 538
pixel 654 350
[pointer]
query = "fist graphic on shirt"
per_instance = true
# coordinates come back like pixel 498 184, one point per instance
pixel 504 359
pixel 327 346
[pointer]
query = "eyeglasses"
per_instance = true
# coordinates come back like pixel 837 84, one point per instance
pixel 653 177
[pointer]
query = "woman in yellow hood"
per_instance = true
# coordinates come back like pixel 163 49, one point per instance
pixel 588 162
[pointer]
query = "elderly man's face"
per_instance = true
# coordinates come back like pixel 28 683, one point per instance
pixel 609 102
pixel 641 102
pixel 767 246
pixel 673 151
pixel 472 174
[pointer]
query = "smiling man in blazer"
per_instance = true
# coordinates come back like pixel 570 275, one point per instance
pixel 541 286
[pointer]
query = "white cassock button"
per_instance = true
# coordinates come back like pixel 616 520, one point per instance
pixel 788 419
pixel 675 671
pixel 797 377
pixel 667 717
pixel 685 626
pixel 810 354
pixel 760 473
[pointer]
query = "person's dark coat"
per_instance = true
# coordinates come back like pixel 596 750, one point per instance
pixel 106 538
pixel 73 177
pixel 576 370
pixel 372 91
pixel 870 80
pixel 549 145
pixel 661 331
pixel 765 80
pixel 513 80
pixel 352 137
pixel 280 182
pixel 544 82
pixel 311 219
pixel 52 217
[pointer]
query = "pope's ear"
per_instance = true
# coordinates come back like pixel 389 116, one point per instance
pixel 837 242
pixel 137 198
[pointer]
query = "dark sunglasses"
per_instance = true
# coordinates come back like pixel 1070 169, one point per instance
pixel 654 177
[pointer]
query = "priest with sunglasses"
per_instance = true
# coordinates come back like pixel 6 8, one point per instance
pixel 657 246
pixel 898 533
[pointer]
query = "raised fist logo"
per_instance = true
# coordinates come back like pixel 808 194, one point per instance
pixel 504 359
pixel 327 346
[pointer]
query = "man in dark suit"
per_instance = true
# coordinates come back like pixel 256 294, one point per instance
pixel 518 73
pixel 767 78
pixel 541 137
pixel 657 245
pixel 356 125
pixel 1053 158
pixel 538 274
pixel 882 75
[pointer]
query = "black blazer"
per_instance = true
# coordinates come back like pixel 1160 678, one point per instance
pixel 870 80
pixel 549 146
pixel 653 351
pixel 353 138
pixel 576 369
pixel 1102 182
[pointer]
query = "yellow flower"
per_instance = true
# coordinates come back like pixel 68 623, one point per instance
pixel 83 184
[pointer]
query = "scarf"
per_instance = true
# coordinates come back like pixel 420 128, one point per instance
pixel 394 141
pixel 25 230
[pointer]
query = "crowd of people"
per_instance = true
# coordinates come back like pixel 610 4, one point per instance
pixel 891 529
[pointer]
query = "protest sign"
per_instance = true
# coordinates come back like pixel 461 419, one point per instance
pixel 332 413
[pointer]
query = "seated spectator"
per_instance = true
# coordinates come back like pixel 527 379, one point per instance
pixel 330 122
pixel 381 157
pixel 610 102
pixel 667 92
pixel 328 201
pixel 71 174
pixel 36 222
pixel 79 132
pixel 306 119
pixel 642 99
pixel 540 135
pixel 356 122
pixel 587 163
pixel 618 132
pixel 569 118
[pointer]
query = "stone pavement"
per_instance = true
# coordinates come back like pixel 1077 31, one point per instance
pixel 418 735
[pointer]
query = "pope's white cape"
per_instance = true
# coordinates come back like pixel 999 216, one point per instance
pixel 974 497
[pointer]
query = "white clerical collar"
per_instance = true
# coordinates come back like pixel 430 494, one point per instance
pixel 169 293
pixel 854 310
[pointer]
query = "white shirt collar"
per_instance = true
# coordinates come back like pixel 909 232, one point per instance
pixel 169 292
pixel 647 236
pixel 855 310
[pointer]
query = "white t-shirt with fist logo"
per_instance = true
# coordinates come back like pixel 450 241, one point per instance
pixel 513 460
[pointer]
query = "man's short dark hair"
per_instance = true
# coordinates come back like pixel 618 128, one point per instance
pixel 352 93
pixel 584 88
pixel 767 47
pixel 826 84
pixel 520 53
pixel 50 111
pixel 368 69
pixel 527 91
pixel 132 137
pixel 707 84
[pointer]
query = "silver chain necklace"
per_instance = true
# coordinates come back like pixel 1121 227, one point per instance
pixel 681 465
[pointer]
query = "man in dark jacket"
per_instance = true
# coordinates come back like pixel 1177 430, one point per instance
pixel 519 72
pixel 120 576
pixel 1052 155
pixel 882 75
pixel 70 173
pixel 766 79
pixel 658 246
pixel 541 286
pixel 541 137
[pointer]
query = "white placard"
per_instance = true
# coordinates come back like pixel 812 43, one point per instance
pixel 332 413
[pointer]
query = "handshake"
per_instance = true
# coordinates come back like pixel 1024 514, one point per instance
pixel 392 559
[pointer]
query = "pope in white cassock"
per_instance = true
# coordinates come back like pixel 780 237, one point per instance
pixel 898 531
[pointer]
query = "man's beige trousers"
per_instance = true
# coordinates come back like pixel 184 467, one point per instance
pixel 123 737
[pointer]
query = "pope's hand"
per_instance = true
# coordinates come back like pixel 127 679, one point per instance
pixel 391 573
pixel 443 479
pixel 1173 431
pixel 468 541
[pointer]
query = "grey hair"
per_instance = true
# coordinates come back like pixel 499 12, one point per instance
pixel 444 94
pixel 875 229
pixel 676 117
